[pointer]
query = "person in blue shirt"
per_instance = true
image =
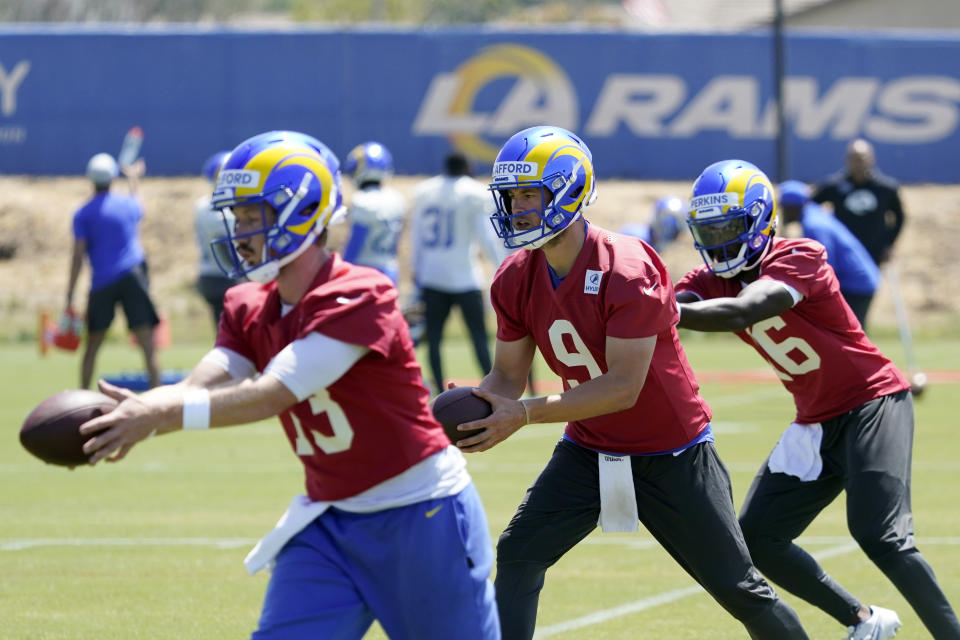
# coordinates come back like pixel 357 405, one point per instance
pixel 857 272
pixel 106 231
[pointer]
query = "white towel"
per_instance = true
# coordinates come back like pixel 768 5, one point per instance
pixel 618 498
pixel 798 452
pixel 298 515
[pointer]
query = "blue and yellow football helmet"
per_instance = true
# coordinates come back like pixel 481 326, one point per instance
pixel 732 216
pixel 553 160
pixel 211 166
pixel 668 215
pixel 294 175
pixel 368 162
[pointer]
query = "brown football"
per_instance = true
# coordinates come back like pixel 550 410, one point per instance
pixel 51 431
pixel 455 406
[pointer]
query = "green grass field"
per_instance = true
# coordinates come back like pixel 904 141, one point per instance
pixel 153 547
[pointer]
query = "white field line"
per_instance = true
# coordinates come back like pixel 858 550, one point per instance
pixel 634 541
pixel 627 541
pixel 473 464
pixel 843 546
pixel 33 543
pixel 666 597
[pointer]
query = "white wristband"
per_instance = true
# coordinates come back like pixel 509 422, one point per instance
pixel 196 409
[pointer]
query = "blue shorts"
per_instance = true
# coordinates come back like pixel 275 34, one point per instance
pixel 422 571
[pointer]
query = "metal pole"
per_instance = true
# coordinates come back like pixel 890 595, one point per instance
pixel 783 161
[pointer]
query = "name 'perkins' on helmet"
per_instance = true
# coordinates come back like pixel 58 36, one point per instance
pixel 732 216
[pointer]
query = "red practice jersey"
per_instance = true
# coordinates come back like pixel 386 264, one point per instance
pixel 620 288
pixel 817 348
pixel 371 424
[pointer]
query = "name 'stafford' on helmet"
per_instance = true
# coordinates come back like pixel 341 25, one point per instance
pixel 553 160
pixel 295 179
pixel 732 216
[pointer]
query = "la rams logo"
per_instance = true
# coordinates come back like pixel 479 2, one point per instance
pixel 491 96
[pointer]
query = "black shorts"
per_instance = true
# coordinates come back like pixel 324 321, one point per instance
pixel 132 291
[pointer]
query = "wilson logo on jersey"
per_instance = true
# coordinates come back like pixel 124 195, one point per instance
pixel 591 282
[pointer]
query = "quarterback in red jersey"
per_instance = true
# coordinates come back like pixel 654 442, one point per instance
pixel 853 430
pixel 307 340
pixel 638 445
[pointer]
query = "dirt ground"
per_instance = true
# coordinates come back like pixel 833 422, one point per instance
pixel 35 237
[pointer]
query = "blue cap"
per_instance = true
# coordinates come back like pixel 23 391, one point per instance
pixel 794 192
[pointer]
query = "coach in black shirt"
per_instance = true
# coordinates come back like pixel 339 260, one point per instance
pixel 865 200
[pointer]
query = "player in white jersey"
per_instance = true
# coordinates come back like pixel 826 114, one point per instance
pixel 376 212
pixel 207 227
pixel 451 214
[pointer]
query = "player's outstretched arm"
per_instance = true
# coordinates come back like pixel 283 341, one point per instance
pixel 628 361
pixel 759 300
pixel 161 410
pixel 501 388
pixel 511 362
pixel 133 173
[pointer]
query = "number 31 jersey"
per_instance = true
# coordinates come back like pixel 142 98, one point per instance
pixel 817 348
pixel 618 287
pixel 372 423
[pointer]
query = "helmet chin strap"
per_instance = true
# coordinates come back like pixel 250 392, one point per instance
pixel 542 240
pixel 268 271
pixel 747 264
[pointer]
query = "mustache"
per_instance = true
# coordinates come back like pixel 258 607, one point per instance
pixel 243 247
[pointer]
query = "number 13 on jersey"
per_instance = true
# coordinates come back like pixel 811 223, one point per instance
pixel 321 403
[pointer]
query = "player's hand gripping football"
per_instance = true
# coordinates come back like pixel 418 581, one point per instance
pixel 136 418
pixel 507 417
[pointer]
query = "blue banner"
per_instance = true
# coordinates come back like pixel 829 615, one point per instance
pixel 649 106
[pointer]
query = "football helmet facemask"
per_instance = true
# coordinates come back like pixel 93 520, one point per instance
pixel 368 162
pixel 295 179
pixel 732 216
pixel 553 160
